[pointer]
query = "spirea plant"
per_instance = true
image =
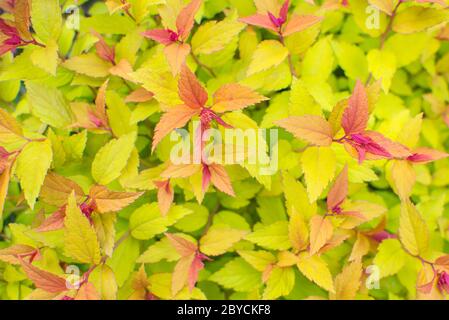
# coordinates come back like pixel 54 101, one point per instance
pixel 224 149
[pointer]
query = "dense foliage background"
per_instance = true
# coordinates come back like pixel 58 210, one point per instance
pixel 94 208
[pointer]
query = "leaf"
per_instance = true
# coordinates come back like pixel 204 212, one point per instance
pixel 232 97
pixel 49 105
pixel 176 56
pixel 33 163
pixel 110 201
pixel 390 257
pixel 413 231
pixel 10 130
pixel 112 158
pixel 237 275
pixel 313 129
pixel 269 53
pixel 382 65
pixel 361 248
pixel 355 116
pixel 259 260
pixel 57 189
pixel 339 191
pixel 104 225
pixel 280 283
pixel 87 291
pixel 274 236
pixel 181 273
pixel 220 179
pixel 183 246
pixel 316 270
pixel 260 20
pixel 80 239
pixel 348 282
pixel 174 118
pixel 88 64
pixel 44 280
pixel 297 231
pixel 190 89
pixel 404 177
pixel 46 58
pixel 165 195
pixel 14 253
pixel 386 6
pixel 103 279
pixel 352 59
pixel 416 19
pixel 185 19
pixel 321 231
pixel 424 155
pixel 213 36
pixel 46 18
pixel 218 240
pixel 318 164
pixel 22 18
pixel 300 23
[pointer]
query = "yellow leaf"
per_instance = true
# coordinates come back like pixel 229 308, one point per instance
pixel 298 231
pixel 403 177
pixel 347 283
pixel 32 166
pixel 269 53
pixel 10 130
pixel 386 6
pixel 316 270
pixel 104 225
pixel 103 279
pixel 318 164
pixel 219 240
pixel 259 260
pixel 390 257
pixel 361 247
pixel 280 283
pixel 80 239
pixel 88 64
pixel 321 231
pixel 417 18
pixel 409 135
pixel 46 57
pixel 413 231
pixel 112 158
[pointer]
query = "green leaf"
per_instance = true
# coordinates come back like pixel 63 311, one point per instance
pixel 390 257
pixel 269 53
pixel 416 19
pixel 280 283
pixel 382 65
pixel 352 59
pixel 274 236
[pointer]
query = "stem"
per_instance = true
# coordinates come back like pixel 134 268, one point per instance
pixel 289 57
pixel 202 65
pixel 384 35
pixel 126 10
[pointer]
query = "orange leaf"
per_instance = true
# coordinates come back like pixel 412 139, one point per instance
pixel 87 291
pixel 233 97
pixel 180 170
pixel 100 104
pixel 311 128
pixel 321 231
pixel 139 95
pixel 182 246
pixel 186 19
pixel 22 18
pixel 190 90
pixel 111 201
pixel 11 254
pixel 181 273
pixel 176 54
pixel 360 249
pixel 355 117
pixel 220 179
pixel 53 222
pixel 176 117
pixel 165 196
pixel 339 191
pixel 104 51
pixel 260 20
pixel 44 280
pixel 123 69
pixel 299 23
pixel 56 190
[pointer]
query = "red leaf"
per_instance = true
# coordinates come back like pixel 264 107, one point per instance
pixel 284 11
pixel 339 191
pixel 355 117
pixel 425 155
pixel 260 20
pixel 190 90
pixel 176 117
pixel 162 36
pixel 186 19
pixel 299 23
pixel 44 280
